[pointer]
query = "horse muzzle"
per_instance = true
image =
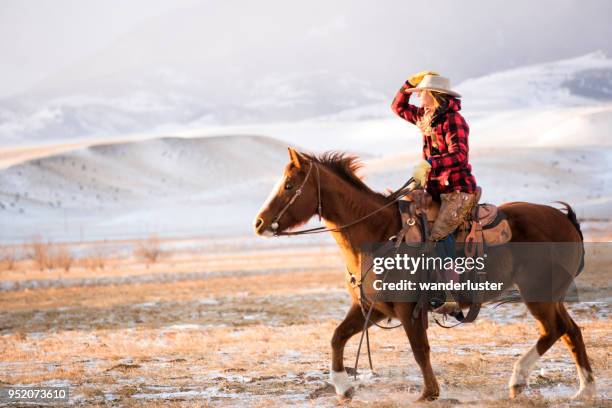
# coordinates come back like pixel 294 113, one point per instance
pixel 259 223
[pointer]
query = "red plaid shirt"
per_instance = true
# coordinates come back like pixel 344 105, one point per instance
pixel 450 169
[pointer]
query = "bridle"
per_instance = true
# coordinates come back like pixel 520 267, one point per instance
pixel 298 192
pixel 397 195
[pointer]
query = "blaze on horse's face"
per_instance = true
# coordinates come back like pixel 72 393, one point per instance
pixel 303 207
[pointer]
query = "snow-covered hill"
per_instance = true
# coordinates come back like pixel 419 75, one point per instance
pixel 536 174
pixel 215 185
pixel 168 186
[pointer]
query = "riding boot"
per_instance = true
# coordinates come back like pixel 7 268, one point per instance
pixel 454 209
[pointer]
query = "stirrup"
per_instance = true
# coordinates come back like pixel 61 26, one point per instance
pixel 457 313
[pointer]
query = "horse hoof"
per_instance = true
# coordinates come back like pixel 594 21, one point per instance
pixel 342 384
pixel 347 395
pixel 428 397
pixel 586 393
pixel 516 390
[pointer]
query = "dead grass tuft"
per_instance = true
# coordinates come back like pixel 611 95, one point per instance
pixel 93 261
pixel 127 391
pixel 61 258
pixel 49 256
pixel 40 253
pixel 8 257
pixel 149 249
pixel 124 367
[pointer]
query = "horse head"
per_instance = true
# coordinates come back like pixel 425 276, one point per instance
pixel 293 200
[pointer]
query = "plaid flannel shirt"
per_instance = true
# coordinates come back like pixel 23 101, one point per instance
pixel 450 169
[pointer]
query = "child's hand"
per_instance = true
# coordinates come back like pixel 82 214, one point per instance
pixel 421 172
pixel 416 79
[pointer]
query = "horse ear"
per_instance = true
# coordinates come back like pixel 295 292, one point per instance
pixel 295 157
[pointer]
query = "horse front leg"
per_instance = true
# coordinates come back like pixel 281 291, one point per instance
pixel 417 335
pixel 352 324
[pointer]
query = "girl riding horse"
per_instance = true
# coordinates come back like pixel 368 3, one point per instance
pixel 444 171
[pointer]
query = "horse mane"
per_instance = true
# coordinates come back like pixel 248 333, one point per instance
pixel 345 166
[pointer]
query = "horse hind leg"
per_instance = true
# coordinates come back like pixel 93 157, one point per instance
pixel 573 340
pixel 351 325
pixel 551 329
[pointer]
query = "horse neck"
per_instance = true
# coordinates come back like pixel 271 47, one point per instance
pixel 343 203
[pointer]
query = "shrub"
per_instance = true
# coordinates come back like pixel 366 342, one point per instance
pixel 48 256
pixel 40 253
pixel 61 258
pixel 149 249
pixel 94 261
pixel 7 260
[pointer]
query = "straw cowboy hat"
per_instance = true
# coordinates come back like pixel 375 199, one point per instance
pixel 434 83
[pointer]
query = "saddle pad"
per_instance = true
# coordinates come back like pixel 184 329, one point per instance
pixel 498 234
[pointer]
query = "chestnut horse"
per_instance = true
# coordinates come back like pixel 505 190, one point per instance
pixel 328 186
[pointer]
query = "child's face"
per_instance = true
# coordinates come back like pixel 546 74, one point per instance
pixel 427 100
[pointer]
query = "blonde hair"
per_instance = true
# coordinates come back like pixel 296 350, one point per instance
pixel 440 102
pixel 440 99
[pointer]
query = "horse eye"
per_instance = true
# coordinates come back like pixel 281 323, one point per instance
pixel 288 186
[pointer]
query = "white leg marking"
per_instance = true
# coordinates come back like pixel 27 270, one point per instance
pixel 587 388
pixel 523 367
pixel 340 381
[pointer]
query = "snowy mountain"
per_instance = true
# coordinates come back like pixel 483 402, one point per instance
pixel 537 105
pixel 161 101
pixel 574 82
pixel 563 103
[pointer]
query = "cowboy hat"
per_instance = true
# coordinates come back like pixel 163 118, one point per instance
pixel 434 83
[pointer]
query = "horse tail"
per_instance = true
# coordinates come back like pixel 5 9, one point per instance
pixel 571 215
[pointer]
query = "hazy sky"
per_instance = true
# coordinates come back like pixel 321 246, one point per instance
pixel 37 38
pixel 377 41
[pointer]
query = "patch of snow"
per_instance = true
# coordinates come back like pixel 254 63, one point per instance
pixel 146 305
pixel 55 383
pixel 185 326
pixel 557 391
pixel 208 393
pixel 209 301
pixel 291 355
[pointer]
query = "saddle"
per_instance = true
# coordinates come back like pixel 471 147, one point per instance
pixel 486 224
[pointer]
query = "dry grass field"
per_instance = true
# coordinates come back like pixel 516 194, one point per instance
pixel 241 325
